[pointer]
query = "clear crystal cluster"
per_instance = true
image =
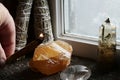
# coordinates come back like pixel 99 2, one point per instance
pixel 76 72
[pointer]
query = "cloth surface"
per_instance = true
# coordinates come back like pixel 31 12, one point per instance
pixel 20 70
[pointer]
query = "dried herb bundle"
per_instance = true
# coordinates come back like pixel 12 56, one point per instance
pixel 42 19
pixel 22 21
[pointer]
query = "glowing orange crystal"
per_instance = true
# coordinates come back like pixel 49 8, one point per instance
pixel 51 57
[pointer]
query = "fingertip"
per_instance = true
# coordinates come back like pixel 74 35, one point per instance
pixel 2 57
pixel 2 62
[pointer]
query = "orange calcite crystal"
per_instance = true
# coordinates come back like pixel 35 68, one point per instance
pixel 51 57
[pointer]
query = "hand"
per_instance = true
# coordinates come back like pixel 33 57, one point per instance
pixel 7 34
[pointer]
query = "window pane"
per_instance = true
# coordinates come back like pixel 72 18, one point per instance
pixel 84 17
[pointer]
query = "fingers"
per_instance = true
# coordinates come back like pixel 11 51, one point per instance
pixel 7 35
pixel 2 56
pixel 7 32
pixel 3 11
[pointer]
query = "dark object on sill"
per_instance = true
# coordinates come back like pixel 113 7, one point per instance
pixel 105 68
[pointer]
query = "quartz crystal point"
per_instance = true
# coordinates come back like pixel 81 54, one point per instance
pixel 107 45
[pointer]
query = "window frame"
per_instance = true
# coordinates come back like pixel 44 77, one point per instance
pixel 82 46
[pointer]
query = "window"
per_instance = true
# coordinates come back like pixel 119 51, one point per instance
pixel 83 17
pixel 78 22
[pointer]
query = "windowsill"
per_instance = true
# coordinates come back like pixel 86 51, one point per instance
pixel 86 50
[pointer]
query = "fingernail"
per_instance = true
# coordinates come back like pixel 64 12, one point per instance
pixel 2 62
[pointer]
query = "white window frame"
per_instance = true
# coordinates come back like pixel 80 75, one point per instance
pixel 82 46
